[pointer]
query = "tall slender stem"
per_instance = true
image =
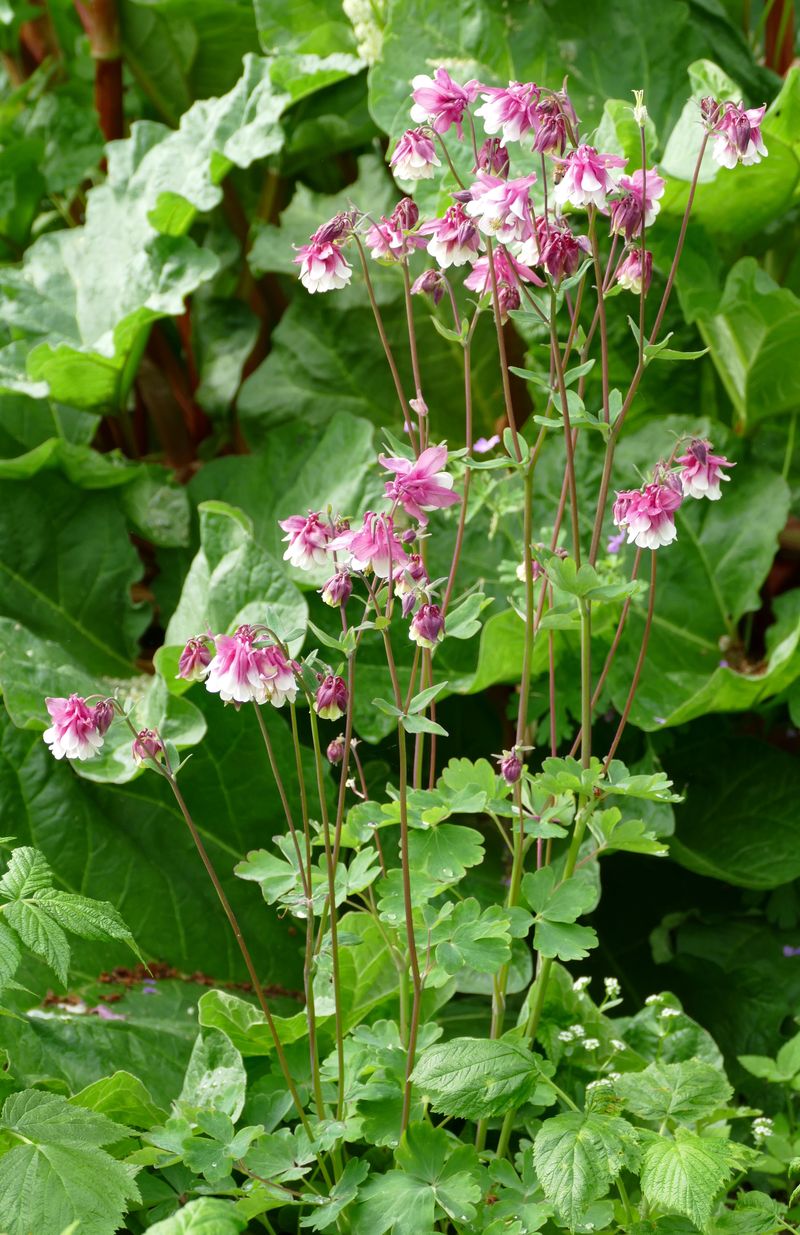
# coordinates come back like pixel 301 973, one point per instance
pixel 416 977
pixel 501 348
pixel 415 369
pixel 568 440
pixel 626 711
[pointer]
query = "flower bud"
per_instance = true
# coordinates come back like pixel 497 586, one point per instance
pixel 639 109
pixel 492 158
pixel 510 766
pixel 194 660
pixel 431 283
pixel 405 214
pixel 147 745
pixel 335 751
pixel 340 225
pixel 427 626
pixel 331 698
pixel 103 715
pixel 338 589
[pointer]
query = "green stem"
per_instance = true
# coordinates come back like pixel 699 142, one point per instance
pixel 416 978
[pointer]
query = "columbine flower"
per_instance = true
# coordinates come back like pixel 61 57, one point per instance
pixel 509 110
pixel 737 136
pixel 454 239
pixel 237 671
pixel 410 576
pixel 430 283
pixel 278 673
pixel 147 745
pixel 330 701
pixel 701 471
pixel 648 515
pixel 441 100
pixel 338 589
pixel 550 125
pixel 562 252
pixel 308 537
pixel 414 156
pixel 335 751
pixel 586 180
pixel 510 766
pixel 482 445
pixel 492 158
pixel 323 266
pixel 427 626
pixel 392 238
pixel 502 207
pixel 420 486
pixel 629 272
pixel 507 269
pixel 195 659
pixel 628 210
pixel 77 729
pixel 374 546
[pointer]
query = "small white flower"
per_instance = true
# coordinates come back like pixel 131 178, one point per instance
pixel 670 1011
pixel 617 1045
pixel 612 988
pixel 566 1035
pixel 591 1044
pixel 577 1031
pixel 580 984
pixel 651 1000
pixel 614 1076
pixel 602 1083
pixel 762 1128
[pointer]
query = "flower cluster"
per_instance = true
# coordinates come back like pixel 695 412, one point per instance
pixel 647 515
pixel 78 728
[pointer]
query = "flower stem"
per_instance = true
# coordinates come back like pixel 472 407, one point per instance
pixel 416 978
pixel 639 663
pixel 501 348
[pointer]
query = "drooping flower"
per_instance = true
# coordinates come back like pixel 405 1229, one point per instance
pixel 410 575
pixel 441 101
pixel 508 269
pixel 420 485
pixel 374 546
pixel 550 136
pixel 392 239
pixel 330 701
pixel 509 110
pixel 430 283
pixel 701 471
pixel 562 251
pixel 492 158
pixel 338 589
pixel 77 729
pixel 454 239
pixel 641 197
pixel 414 156
pixel 510 766
pixel 104 712
pixel 737 136
pixel 335 751
pixel 648 514
pixel 585 180
pixel 308 537
pixel 323 266
pixel 427 626
pixel 236 672
pixel 147 745
pixel 629 272
pixel 278 674
pixel 502 207
pixel 195 659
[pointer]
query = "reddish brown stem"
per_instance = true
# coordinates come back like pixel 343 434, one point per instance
pixel 100 20
pixel 626 711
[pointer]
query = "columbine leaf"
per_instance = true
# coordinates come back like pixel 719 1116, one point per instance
pixel 685 1175
pixel 465 937
pixel 684 1091
pixel 565 941
pixel 578 1156
pixel 340 1196
pixel 472 1078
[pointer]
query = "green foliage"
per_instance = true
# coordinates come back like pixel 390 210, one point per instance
pixel 577 1156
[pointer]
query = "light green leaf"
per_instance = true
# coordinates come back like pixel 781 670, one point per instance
pixel 685 1091
pixel 123 1098
pixel 567 942
pixel 686 1174
pixel 340 1196
pixel 215 1077
pixel 206 1215
pixel 473 1078
pixel 245 1024
pixel 577 1157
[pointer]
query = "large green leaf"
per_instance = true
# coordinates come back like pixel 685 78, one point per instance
pixel 578 1155
pixel 685 1175
pixel 685 1091
pixel 474 1078
pixel 85 297
pixel 738 791
pixel 207 1215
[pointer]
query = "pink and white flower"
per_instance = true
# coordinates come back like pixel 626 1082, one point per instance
pixel 641 197
pixel 454 239
pixel 240 672
pixel 631 274
pixel 427 627
pixel 550 126
pixel 338 589
pixel 278 673
pixel 441 101
pixel 586 180
pixel 507 268
pixel 323 266
pixel 194 660
pixel 393 238
pixel 410 576
pixel 562 251
pixel 147 745
pixel 430 283
pixel 330 701
pixel 492 158
pixel 701 471
pixel 420 485
pixel 308 537
pixel 415 156
pixel 509 110
pixel 78 728
pixel 737 136
pixel 374 546
pixel 648 514
pixel 502 207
